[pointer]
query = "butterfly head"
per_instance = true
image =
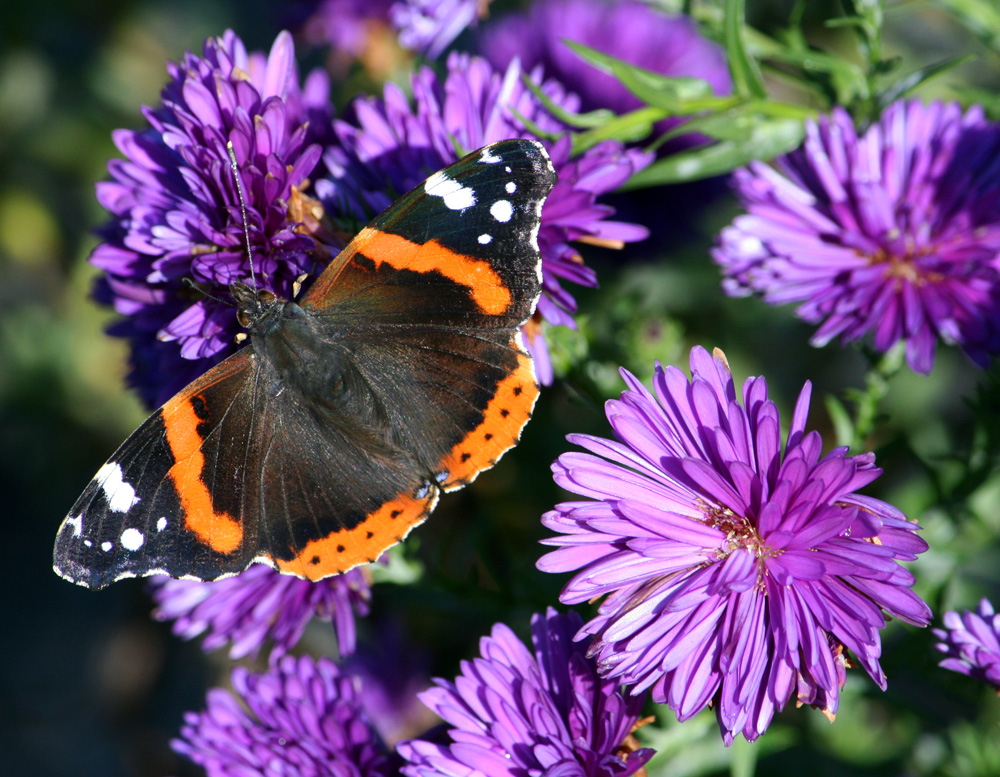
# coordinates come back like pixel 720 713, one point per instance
pixel 255 307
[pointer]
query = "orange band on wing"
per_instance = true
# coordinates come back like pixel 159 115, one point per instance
pixel 487 289
pixel 503 420
pixel 365 542
pixel 217 530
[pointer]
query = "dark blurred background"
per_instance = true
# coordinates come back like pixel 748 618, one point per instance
pixel 90 685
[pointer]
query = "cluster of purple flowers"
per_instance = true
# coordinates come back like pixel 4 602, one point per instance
pixel 736 567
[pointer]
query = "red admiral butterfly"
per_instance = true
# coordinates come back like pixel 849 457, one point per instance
pixel 400 374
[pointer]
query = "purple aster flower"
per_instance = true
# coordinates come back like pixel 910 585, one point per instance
pixel 301 717
pixel 527 715
pixel 971 642
pixel 631 31
pixel 258 605
pixel 392 146
pixel 893 233
pixel 175 211
pixel 359 29
pixel 734 573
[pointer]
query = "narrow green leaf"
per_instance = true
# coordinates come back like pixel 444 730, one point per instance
pixel 908 83
pixel 747 80
pixel 578 120
pixel 767 139
pixel 840 419
pixel 628 128
pixel 674 94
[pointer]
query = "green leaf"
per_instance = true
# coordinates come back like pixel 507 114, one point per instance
pixel 628 128
pixel 908 83
pixel 843 427
pixel 982 17
pixel 578 120
pixel 764 139
pixel 676 95
pixel 747 81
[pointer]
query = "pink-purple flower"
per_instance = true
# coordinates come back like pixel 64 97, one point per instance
pixel 260 606
pixel 301 717
pixel 392 145
pixel 517 713
pixel 971 643
pixel 175 212
pixel 893 233
pixel 733 572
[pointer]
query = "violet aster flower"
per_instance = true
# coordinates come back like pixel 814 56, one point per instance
pixel 175 211
pixel 527 715
pixel 301 717
pixel 392 146
pixel 894 233
pixel 734 573
pixel 353 28
pixel 971 642
pixel 631 31
pixel 259 605
pixel 429 26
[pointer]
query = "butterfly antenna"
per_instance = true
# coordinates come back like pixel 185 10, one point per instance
pixel 243 207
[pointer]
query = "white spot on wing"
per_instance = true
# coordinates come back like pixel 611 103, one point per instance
pixel 88 543
pixel 502 210
pixel 106 546
pixel 161 524
pixel 455 196
pixel 511 187
pixel 120 495
pixel 488 157
pixel 132 539
pixel 485 239
pixel 76 522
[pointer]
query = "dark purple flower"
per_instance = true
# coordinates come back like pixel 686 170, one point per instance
pixel 894 233
pixel 260 605
pixel 302 717
pixel 734 573
pixel 392 146
pixel 971 642
pixel 632 31
pixel 175 210
pixel 528 715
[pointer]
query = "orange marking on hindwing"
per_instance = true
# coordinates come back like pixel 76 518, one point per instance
pixel 486 288
pixel 347 548
pixel 219 531
pixel 500 429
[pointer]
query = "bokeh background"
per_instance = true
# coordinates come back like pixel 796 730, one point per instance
pixel 90 685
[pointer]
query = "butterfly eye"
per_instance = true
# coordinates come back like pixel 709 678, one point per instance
pixel 266 297
pixel 243 318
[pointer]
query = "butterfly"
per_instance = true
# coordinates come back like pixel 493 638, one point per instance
pixel 400 374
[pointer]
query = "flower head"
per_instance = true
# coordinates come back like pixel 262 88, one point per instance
pixel 971 642
pixel 527 715
pixel 894 233
pixel 734 572
pixel 301 717
pixel 392 146
pixel 175 211
pixel 429 26
pixel 357 29
pixel 261 605
pixel 632 31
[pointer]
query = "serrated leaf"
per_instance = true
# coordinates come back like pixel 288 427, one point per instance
pixel 765 140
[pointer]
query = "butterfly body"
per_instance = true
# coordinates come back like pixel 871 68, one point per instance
pixel 400 374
